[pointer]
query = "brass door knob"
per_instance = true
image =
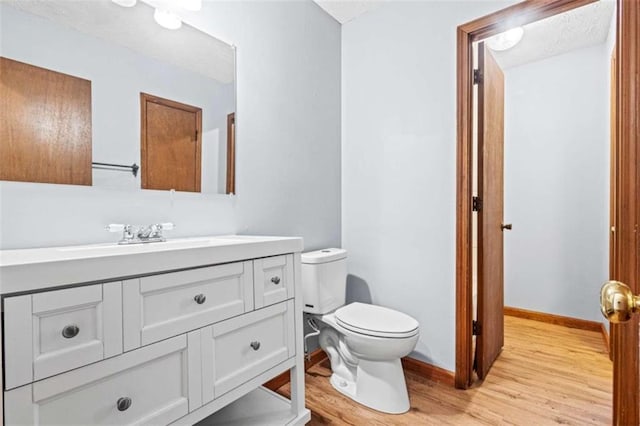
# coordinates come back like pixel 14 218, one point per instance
pixel 617 302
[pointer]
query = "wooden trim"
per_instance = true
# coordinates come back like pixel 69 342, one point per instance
pixel 231 153
pixel 554 319
pixel 464 208
pixel 144 99
pixel 429 371
pixel 280 380
pixel 613 172
pixel 626 372
pixel 519 14
pixel 606 340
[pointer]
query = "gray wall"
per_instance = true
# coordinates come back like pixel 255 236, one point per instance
pixel 288 159
pixel 399 162
pixel 557 183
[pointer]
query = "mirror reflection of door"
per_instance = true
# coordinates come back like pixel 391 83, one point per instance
pixel 231 153
pixel 171 144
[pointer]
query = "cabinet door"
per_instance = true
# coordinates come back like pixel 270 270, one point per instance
pixel 165 305
pixel 55 331
pixel 147 386
pixel 236 350
pixel 273 279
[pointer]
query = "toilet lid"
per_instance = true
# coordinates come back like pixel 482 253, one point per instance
pixel 376 321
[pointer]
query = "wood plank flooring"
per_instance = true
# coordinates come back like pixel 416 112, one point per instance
pixel 547 374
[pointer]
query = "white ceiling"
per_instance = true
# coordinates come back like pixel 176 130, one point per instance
pixel 578 28
pixel 136 29
pixel 346 10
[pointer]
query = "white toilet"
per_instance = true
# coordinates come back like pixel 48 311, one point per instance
pixel 364 342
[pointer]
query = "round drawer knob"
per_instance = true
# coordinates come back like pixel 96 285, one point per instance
pixel 200 299
pixel 275 280
pixel 123 403
pixel 70 331
pixel 255 345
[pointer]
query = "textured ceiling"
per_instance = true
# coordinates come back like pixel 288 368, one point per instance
pixel 578 28
pixel 136 29
pixel 346 10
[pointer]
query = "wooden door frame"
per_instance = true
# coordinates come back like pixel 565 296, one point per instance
pixel 231 153
pixel 628 132
pixel 624 337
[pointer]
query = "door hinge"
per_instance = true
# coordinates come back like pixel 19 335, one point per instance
pixel 477 329
pixel 196 139
pixel 477 76
pixel 477 204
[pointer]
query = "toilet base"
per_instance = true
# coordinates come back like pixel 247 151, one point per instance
pixel 379 385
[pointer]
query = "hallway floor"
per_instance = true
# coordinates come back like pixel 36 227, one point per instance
pixel 547 374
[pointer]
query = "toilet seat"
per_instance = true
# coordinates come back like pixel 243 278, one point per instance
pixel 376 321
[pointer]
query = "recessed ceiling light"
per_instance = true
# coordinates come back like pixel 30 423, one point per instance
pixel 167 19
pixel 505 40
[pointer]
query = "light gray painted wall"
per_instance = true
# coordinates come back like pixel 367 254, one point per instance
pixel 288 159
pixel 557 183
pixel 399 162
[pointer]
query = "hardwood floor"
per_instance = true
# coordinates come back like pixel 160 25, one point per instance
pixel 547 374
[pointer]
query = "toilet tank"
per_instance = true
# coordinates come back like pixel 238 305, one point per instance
pixel 324 280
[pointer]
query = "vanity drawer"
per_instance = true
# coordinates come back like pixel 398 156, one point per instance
pixel 148 386
pixel 56 331
pixel 165 305
pixel 236 350
pixel 273 279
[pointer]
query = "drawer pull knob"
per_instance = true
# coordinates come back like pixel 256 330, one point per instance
pixel 70 331
pixel 200 299
pixel 124 403
pixel 275 280
pixel 255 345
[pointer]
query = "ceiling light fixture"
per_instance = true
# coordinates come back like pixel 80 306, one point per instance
pixel 192 5
pixel 125 3
pixel 165 10
pixel 505 40
pixel 167 19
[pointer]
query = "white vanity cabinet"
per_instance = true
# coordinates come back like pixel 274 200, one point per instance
pixel 274 279
pixel 237 350
pixel 55 331
pixel 147 386
pixel 174 343
pixel 163 305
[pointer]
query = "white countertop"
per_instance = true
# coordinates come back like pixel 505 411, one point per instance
pixel 40 268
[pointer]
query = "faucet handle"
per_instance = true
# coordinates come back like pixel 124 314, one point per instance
pixel 115 227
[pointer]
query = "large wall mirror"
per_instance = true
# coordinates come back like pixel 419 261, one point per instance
pixel 93 93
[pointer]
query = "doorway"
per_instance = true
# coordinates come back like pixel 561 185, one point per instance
pixel 478 30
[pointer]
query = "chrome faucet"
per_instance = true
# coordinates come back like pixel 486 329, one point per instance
pixel 140 234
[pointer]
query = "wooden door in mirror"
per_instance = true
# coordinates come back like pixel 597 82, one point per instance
pixel 45 125
pixel 231 153
pixel 171 144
